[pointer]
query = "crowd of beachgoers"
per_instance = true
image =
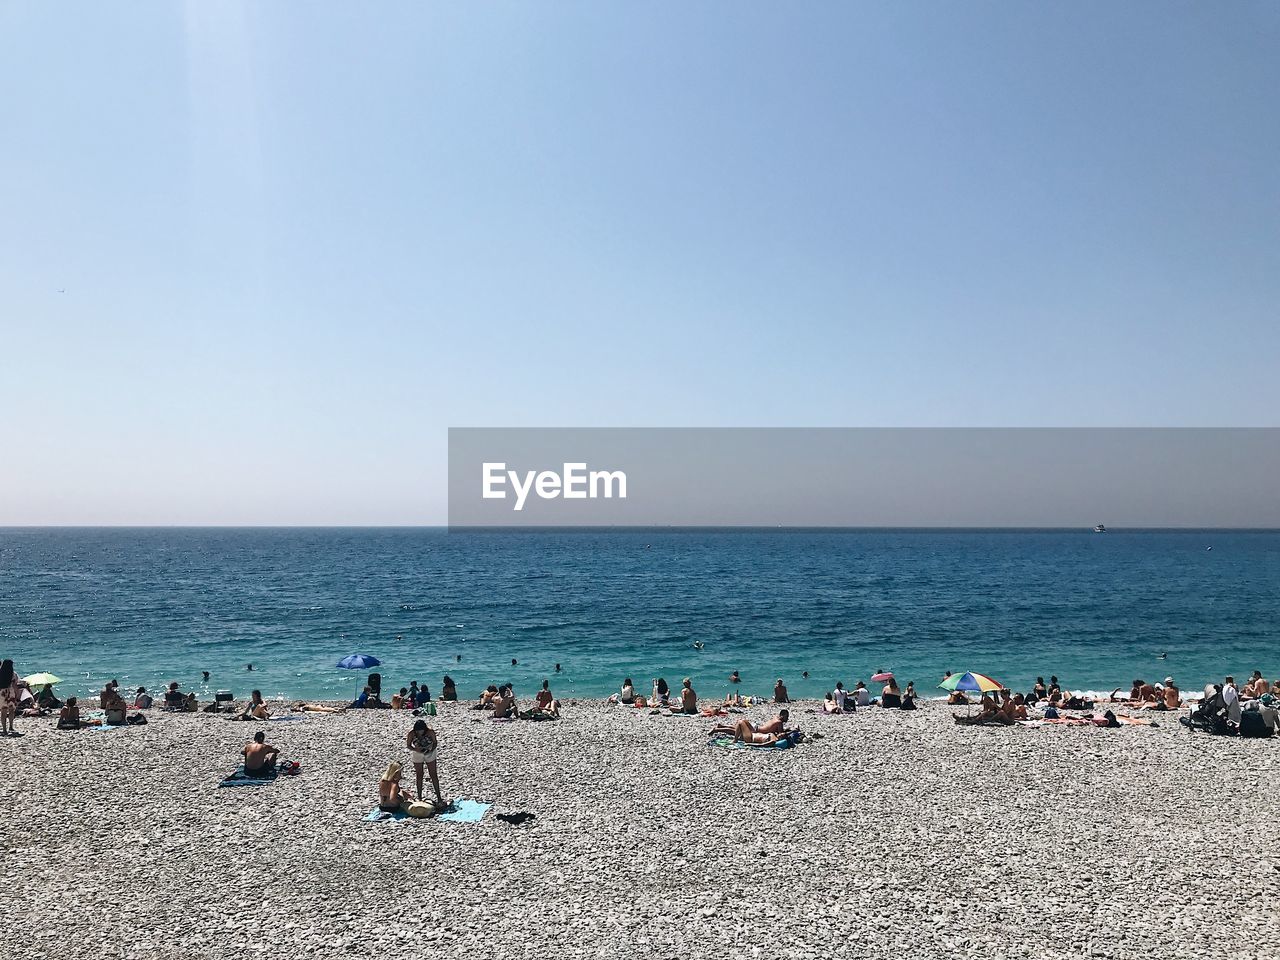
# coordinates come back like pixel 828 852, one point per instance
pixel 604 817
pixel 1045 703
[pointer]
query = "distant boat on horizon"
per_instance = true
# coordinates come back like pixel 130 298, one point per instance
pixel 1100 528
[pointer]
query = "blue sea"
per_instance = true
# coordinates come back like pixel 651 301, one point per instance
pixel 152 605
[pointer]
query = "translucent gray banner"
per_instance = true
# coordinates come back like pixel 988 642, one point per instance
pixel 815 477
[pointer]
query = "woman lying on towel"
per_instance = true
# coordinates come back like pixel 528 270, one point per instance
pixel 777 725
pixel 759 736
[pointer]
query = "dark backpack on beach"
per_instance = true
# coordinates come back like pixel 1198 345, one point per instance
pixel 1254 724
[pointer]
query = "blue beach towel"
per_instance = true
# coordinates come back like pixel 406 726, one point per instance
pixel 241 779
pixel 377 816
pixel 728 743
pixel 465 811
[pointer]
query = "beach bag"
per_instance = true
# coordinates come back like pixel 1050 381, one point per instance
pixel 419 808
pixel 1254 724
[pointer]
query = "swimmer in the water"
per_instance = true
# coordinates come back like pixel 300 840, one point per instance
pixel 513 661
pixel 205 674
pixel 697 644
pixel 248 666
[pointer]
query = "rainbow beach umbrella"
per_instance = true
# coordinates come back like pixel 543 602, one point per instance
pixel 969 682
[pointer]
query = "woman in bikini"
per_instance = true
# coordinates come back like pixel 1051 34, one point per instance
pixel 389 793
pixel 423 748
pixel 546 701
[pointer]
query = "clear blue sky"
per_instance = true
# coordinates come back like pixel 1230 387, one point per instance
pixel 255 258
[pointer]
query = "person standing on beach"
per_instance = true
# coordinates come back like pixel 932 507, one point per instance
pixel 423 747
pixel 10 694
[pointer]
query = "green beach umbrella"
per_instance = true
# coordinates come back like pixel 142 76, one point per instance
pixel 40 679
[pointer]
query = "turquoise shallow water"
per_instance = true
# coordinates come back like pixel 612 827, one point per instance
pixel 153 605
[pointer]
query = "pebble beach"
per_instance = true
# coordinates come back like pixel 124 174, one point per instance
pixel 885 832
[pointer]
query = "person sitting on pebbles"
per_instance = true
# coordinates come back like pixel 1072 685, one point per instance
pixel 992 712
pixel 891 695
pixel 113 705
pixel 545 703
pixel 487 697
pixel 780 692
pixel 390 794
pixel 173 698
pixel 423 746
pixel 69 716
pixel 260 756
pixel 448 690
pixel 256 709
pixel 688 698
pixel 504 704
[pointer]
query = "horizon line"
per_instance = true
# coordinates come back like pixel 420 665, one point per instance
pixel 464 528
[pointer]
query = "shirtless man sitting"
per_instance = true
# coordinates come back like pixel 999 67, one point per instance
pixel 260 756
pixel 688 699
pixel 1168 697
pixel 1255 687
pixel 504 704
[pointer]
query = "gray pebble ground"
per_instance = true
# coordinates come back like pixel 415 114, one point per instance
pixel 893 834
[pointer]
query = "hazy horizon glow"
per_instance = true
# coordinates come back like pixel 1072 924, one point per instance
pixel 257 259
